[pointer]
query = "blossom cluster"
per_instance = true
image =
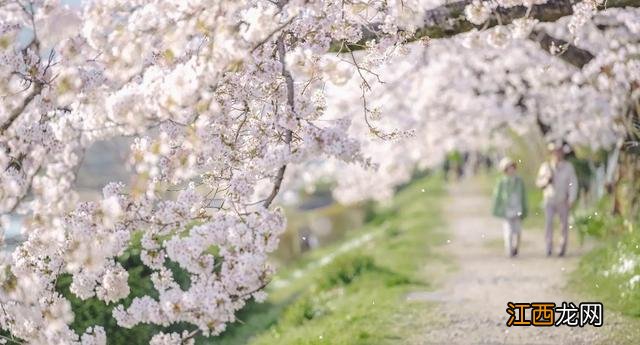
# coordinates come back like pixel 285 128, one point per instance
pixel 219 97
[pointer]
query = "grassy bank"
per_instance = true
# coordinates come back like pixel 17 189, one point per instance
pixel 354 292
pixel 611 274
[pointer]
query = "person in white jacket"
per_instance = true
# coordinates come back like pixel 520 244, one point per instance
pixel 559 182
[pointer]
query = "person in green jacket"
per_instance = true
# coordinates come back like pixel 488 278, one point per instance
pixel 510 204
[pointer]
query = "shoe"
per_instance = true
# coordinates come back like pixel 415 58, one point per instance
pixel 561 254
pixel 515 252
pixel 548 253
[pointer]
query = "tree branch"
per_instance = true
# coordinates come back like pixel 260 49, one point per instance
pixel 448 20
pixel 291 103
pixel 37 88
pixel 569 53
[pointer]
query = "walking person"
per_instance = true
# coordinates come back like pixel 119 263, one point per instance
pixel 510 204
pixel 559 182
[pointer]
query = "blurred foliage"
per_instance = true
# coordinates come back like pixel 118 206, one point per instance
pixel 584 172
pixel 599 223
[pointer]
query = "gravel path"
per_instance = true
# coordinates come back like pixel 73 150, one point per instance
pixel 470 303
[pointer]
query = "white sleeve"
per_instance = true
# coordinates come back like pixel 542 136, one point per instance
pixel 573 185
pixel 544 174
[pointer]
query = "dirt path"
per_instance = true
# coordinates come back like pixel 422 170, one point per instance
pixel 470 304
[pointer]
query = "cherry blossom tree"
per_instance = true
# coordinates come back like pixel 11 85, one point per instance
pixel 468 94
pixel 226 101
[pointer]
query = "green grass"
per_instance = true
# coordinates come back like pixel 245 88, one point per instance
pixel 601 274
pixel 358 297
pixel 606 275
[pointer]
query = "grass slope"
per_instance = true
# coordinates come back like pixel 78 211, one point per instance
pixel 611 274
pixel 354 294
